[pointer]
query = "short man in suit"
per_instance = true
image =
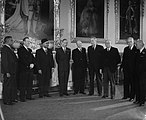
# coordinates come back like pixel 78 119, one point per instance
pixel 111 59
pixel 128 65
pixel 63 55
pixel 79 68
pixel 45 63
pixel 26 65
pixel 9 64
pixel 95 58
pixel 141 69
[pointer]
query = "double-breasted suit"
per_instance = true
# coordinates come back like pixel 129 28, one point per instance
pixel 95 64
pixel 9 64
pixel 63 61
pixel 45 63
pixel 128 65
pixel 111 59
pixel 26 73
pixel 141 72
pixel 79 68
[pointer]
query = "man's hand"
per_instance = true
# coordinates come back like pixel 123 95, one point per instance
pixel 40 71
pixel 8 75
pixel 31 66
pixel 52 70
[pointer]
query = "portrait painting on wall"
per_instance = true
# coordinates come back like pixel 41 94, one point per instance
pixel 90 18
pixel 33 18
pixel 129 18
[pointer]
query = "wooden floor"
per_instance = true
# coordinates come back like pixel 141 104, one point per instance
pixel 75 107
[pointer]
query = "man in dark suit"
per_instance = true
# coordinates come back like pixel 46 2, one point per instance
pixel 63 60
pixel 79 68
pixel 111 59
pixel 95 58
pixel 128 65
pixel 141 69
pixel 9 70
pixel 45 63
pixel 26 65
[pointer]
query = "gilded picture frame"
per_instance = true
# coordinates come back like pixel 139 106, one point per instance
pixel 77 9
pixel 128 20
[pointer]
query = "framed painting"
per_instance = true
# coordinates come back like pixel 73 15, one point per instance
pixel 89 18
pixel 129 19
pixel 33 18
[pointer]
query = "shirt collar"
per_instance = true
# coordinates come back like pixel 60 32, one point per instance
pixel 8 45
pixel 25 47
pixel 141 49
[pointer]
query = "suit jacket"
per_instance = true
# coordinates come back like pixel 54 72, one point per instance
pixel 25 58
pixel 111 59
pixel 8 60
pixel 141 59
pixel 129 59
pixel 44 60
pixel 63 59
pixel 79 58
pixel 95 56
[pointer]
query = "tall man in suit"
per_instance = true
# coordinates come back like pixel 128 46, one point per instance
pixel 141 69
pixel 95 58
pixel 63 60
pixel 45 63
pixel 9 70
pixel 128 65
pixel 79 68
pixel 26 65
pixel 111 59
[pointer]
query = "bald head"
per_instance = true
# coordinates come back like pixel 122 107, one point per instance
pixel 79 44
pixel 130 41
pixel 139 44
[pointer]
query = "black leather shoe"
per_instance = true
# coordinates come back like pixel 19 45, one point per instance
pixel 131 99
pixel 141 104
pixel 8 103
pixel 112 97
pixel 124 98
pixel 136 102
pixel 61 95
pixel 66 94
pixel 30 98
pixel 90 94
pixel 104 96
pixel 83 93
pixel 15 101
pixel 22 100
pixel 40 96
pixel 47 95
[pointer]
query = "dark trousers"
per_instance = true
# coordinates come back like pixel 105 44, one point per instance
pixel 108 76
pixel 44 82
pixel 26 82
pixel 142 81
pixel 9 91
pixel 79 79
pixel 63 81
pixel 137 88
pixel 129 81
pixel 92 73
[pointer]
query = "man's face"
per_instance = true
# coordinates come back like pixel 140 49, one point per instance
pixel 27 42
pixel 79 44
pixel 10 41
pixel 107 44
pixel 130 42
pixel 46 44
pixel 64 43
pixel 93 41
